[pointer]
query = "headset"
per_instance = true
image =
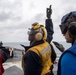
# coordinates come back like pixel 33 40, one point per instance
pixel 39 31
pixel 72 29
pixel 71 17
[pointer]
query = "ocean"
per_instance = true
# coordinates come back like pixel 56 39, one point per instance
pixel 18 46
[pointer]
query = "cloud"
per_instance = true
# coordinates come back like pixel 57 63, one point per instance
pixel 8 16
pixel 10 10
pixel 16 16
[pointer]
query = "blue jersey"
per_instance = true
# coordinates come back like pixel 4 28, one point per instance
pixel 67 62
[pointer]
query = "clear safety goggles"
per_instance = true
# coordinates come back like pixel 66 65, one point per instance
pixel 34 31
pixel 63 28
pixel 30 32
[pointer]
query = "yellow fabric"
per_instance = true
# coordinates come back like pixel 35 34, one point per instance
pixel 44 33
pixel 36 26
pixel 44 52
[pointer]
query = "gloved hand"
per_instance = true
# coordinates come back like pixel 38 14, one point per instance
pixel 59 46
pixel 25 47
pixel 48 12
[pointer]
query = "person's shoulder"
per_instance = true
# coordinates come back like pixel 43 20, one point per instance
pixel 68 56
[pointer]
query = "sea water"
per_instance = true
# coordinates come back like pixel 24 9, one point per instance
pixel 18 46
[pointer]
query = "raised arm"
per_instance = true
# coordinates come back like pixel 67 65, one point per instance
pixel 49 24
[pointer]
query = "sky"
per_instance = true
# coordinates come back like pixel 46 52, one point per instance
pixel 16 16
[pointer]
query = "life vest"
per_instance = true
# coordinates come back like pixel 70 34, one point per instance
pixel 44 51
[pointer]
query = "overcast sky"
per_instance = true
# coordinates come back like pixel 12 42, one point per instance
pixel 16 16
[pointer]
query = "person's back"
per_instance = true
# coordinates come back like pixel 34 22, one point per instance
pixel 67 61
pixel 37 58
pixel 70 64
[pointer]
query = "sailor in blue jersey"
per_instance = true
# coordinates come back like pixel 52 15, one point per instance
pixel 67 61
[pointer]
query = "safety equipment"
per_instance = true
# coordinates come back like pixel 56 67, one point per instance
pixel 63 28
pixel 65 17
pixel 71 17
pixel 44 51
pixel 39 31
pixel 72 29
pixel 59 46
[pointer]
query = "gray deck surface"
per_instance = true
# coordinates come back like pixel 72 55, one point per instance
pixel 13 71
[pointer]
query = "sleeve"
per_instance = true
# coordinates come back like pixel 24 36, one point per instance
pixel 68 64
pixel 53 54
pixel 32 64
pixel 5 54
pixel 1 66
pixel 49 28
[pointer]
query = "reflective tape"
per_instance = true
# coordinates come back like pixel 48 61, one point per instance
pixel 46 50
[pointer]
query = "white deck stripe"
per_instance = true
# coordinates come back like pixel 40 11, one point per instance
pixel 10 64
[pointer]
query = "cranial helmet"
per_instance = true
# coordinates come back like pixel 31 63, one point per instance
pixel 66 20
pixel 39 31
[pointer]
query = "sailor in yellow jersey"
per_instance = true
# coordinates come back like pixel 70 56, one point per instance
pixel 37 59
pixel 39 54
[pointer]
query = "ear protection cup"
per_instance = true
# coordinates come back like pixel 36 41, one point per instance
pixel 72 29
pixel 39 31
pixel 38 36
pixel 42 34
